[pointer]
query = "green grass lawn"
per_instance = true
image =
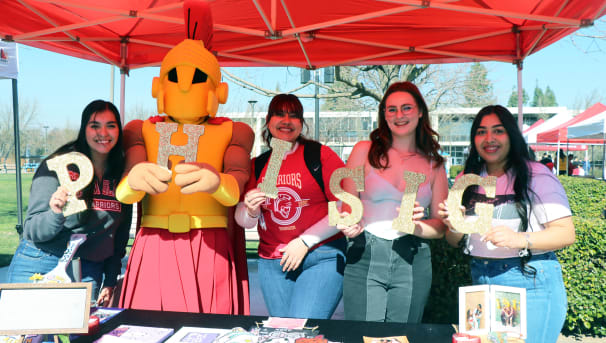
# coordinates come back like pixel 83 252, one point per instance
pixel 8 213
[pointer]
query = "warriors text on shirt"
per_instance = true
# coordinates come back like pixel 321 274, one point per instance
pixel 291 179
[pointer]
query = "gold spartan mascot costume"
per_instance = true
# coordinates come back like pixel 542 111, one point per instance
pixel 187 168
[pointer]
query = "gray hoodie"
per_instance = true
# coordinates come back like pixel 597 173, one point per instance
pixel 106 223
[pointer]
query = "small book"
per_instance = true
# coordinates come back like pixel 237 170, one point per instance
pixel 136 334
pixel 21 339
pixel 492 308
pixel 282 335
pixel 105 313
pixel 196 335
pixel 285 323
pixel 392 339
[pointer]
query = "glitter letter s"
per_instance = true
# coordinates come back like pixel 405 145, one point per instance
pixel 357 208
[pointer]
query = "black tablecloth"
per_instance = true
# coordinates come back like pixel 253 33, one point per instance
pixel 335 330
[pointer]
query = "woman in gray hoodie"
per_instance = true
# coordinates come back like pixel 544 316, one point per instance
pixel 106 222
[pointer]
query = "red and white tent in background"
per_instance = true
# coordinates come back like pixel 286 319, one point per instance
pixel 531 133
pixel 559 134
pixel 591 128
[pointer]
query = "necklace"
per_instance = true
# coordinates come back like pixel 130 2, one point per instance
pixel 406 155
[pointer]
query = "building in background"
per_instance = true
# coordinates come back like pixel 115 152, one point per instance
pixel 342 130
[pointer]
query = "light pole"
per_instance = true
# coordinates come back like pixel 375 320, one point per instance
pixel 45 138
pixel 329 75
pixel 252 105
pixel 255 121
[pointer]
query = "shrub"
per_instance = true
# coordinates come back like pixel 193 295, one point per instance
pixel 584 263
pixel 455 170
pixel 583 266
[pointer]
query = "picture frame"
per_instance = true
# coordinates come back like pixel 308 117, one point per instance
pixel 492 308
pixel 474 304
pixel 44 308
pixel 508 310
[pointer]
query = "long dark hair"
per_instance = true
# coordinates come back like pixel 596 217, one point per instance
pixel 517 163
pixel 382 139
pixel 280 105
pixel 114 166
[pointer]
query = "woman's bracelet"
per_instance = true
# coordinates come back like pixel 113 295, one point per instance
pixel 304 242
pixel 251 216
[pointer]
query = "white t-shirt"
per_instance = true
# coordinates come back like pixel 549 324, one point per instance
pixel 548 203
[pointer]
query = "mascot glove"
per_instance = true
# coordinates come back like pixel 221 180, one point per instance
pixel 203 177
pixel 149 178
pixel 197 177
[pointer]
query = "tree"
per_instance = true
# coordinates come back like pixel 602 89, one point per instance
pixel 140 111
pixel 549 98
pixel 537 99
pixel 478 88
pixel 362 87
pixel 541 99
pixel 513 98
pixel 28 113
pixel 589 100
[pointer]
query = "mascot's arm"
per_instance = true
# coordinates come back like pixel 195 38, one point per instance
pixel 140 177
pixel 134 148
pixel 236 165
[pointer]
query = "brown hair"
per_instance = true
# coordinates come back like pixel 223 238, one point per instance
pixel 280 105
pixel 381 138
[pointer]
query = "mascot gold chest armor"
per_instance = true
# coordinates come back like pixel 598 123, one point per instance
pixel 187 168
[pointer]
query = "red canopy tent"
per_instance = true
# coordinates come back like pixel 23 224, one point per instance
pixel 536 124
pixel 560 132
pixel 308 34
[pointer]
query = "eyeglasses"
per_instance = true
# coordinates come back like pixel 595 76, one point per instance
pixel 405 109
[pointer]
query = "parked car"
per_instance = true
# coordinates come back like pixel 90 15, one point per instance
pixel 30 167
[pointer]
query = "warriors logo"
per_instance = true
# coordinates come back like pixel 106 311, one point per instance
pixel 287 206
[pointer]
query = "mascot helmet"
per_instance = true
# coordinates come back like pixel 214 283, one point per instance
pixel 189 86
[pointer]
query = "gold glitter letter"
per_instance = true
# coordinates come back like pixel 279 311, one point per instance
pixel 279 148
pixel 59 165
pixel 403 222
pixel 165 149
pixel 357 209
pixel 484 211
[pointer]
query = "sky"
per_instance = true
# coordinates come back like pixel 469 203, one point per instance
pixel 61 86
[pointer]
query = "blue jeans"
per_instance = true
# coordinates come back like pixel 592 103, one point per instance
pixel 545 293
pixel 311 291
pixel 28 260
